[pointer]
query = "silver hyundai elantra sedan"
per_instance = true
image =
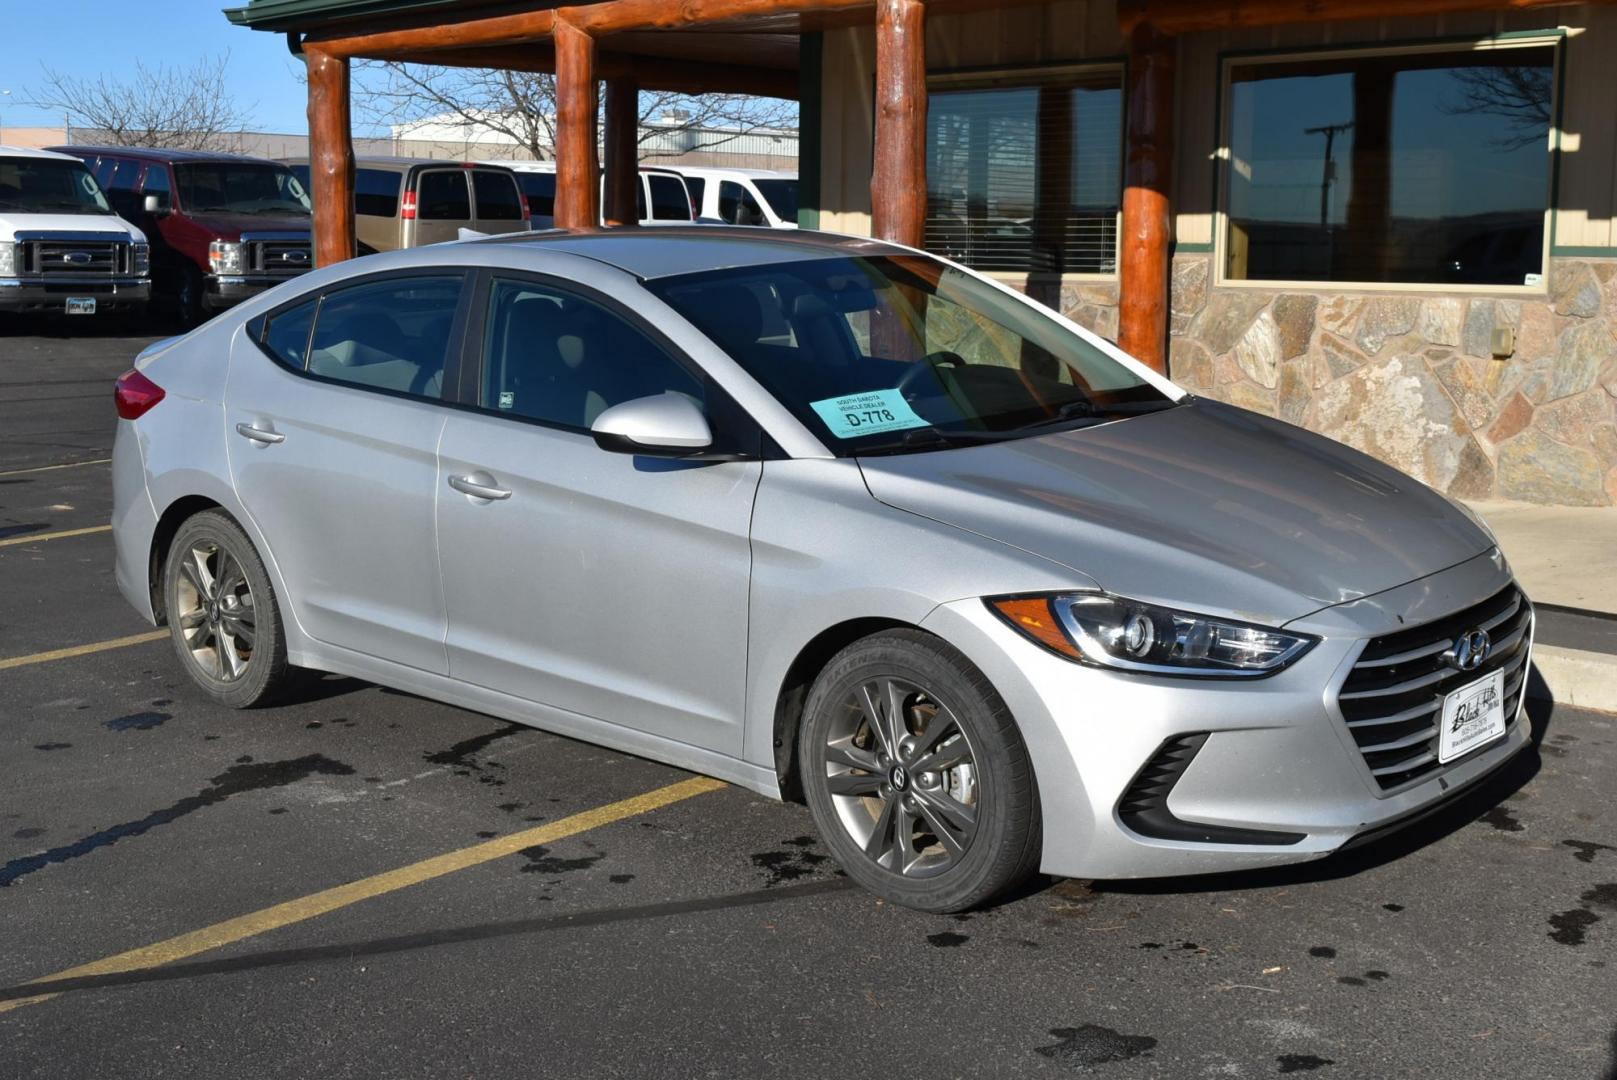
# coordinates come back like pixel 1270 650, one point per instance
pixel 829 519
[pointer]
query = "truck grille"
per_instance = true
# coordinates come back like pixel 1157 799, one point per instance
pixel 58 258
pixel 288 257
pixel 1393 699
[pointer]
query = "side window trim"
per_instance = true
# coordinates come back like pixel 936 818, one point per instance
pixel 454 352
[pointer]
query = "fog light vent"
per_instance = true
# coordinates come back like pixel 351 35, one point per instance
pixel 1144 806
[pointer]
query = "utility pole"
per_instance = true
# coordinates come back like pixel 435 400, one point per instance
pixel 1328 175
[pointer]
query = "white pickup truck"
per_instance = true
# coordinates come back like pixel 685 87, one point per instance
pixel 62 249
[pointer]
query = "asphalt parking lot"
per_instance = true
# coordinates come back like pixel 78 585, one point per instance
pixel 362 883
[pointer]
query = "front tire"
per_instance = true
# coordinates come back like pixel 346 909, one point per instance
pixel 222 614
pixel 916 774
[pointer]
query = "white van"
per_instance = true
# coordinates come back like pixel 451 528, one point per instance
pixel 742 196
pixel 662 197
pixel 62 249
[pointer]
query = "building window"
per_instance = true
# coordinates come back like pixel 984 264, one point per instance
pixel 1420 166
pixel 1024 171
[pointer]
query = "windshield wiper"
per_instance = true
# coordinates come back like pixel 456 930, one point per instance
pixel 1088 410
pixel 935 439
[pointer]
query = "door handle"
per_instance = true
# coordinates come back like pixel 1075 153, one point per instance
pixel 479 486
pixel 263 436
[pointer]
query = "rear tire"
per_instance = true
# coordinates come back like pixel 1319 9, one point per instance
pixel 939 811
pixel 222 614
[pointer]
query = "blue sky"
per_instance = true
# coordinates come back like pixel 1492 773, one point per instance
pixel 92 37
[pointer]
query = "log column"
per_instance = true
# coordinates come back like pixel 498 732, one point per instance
pixel 898 181
pixel 1147 231
pixel 622 150
pixel 331 158
pixel 578 168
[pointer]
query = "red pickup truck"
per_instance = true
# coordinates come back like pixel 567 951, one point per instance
pixel 222 227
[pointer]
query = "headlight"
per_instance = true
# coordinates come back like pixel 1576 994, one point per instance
pixel 143 259
pixel 1110 631
pixel 8 259
pixel 227 257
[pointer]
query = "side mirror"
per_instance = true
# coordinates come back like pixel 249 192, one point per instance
pixel 154 206
pixel 668 425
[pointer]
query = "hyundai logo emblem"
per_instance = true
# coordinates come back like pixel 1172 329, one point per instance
pixel 77 258
pixel 1469 650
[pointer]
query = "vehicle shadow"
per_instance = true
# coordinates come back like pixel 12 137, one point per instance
pixel 1462 811
pixel 65 328
pixel 346 951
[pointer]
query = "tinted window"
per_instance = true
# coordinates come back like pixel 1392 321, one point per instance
pixel 376 192
pixel 781 196
pixel 697 187
pixel 122 176
pixel 668 199
pixel 388 335
pixel 441 195
pixel 156 183
pixel 540 191
pixel 1426 167
pixel 286 335
pixel 1026 178
pixel 47 186
pixel 738 207
pixel 556 357
pixel 240 188
pixel 497 197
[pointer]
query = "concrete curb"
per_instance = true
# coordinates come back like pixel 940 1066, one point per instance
pixel 1587 680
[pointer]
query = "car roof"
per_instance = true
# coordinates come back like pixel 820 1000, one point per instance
pixel 707 171
pixel 671 250
pixel 157 153
pixel 34 152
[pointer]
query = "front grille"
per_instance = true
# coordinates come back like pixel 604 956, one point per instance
pixel 53 258
pixel 288 257
pixel 1393 699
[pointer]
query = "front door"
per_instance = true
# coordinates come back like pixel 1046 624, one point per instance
pixel 333 419
pixel 608 585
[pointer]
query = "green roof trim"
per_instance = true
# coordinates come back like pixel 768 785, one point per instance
pixel 281 15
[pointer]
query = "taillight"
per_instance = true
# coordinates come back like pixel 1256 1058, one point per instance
pixel 136 394
pixel 408 211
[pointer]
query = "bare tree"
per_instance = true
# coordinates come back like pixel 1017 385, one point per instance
pixel 1517 94
pixel 183 108
pixel 521 106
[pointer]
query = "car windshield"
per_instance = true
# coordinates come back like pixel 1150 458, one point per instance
pixel 47 186
pixel 903 353
pixel 240 188
pixel 782 197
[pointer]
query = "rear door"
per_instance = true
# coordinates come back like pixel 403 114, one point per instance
pixel 670 201
pixel 333 408
pixel 443 206
pixel 497 203
pixel 607 585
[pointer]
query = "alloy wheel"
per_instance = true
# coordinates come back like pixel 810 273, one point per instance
pixel 215 611
pixel 903 777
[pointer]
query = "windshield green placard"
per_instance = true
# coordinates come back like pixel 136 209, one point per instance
pixel 870 413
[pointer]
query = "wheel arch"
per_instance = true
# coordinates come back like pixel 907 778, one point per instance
pixel 792 694
pixel 177 514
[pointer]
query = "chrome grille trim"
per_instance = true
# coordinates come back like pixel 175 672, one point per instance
pixel 1392 700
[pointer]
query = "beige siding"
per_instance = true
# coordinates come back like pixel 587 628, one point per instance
pixel 1074 30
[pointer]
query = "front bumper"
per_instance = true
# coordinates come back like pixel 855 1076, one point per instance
pixel 222 291
pixel 111 294
pixel 1278 759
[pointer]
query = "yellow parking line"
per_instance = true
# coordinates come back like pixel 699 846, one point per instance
pixel 39 538
pixel 53 468
pixel 308 907
pixel 82 650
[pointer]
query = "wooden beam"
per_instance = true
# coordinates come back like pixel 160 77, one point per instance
pixel 443 34
pixel 622 151
pixel 1189 16
pixel 1147 229
pixel 898 181
pixel 331 158
pixel 651 72
pixel 578 169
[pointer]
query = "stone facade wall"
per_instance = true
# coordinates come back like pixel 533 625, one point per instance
pixel 1411 378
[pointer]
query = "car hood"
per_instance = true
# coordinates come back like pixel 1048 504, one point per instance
pixel 231 226
pixel 15 221
pixel 1204 507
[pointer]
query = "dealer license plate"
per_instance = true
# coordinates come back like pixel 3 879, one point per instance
pixel 81 305
pixel 1472 716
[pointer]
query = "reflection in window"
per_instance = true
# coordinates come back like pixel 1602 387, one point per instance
pixel 1430 167
pixel 1026 177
